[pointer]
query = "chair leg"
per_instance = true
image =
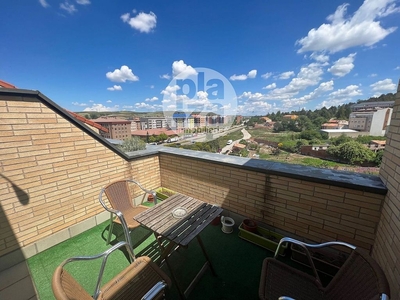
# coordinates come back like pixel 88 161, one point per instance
pixel 110 230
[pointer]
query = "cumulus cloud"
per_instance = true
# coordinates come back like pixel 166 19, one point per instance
pixel 83 2
pixel 343 65
pixel 179 67
pixel 319 57
pixel 101 107
pixel 44 3
pixel 115 88
pixel 147 107
pixel 363 28
pixel 109 101
pixel 286 75
pixel 347 93
pixel 385 85
pixel 122 75
pixel 270 86
pixel 151 99
pixel 69 8
pixel 266 75
pixel 142 21
pixel 251 74
pixel 373 75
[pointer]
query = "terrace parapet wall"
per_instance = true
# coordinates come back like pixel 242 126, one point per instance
pixel 315 204
pixel 387 244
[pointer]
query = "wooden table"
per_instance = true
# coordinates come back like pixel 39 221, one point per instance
pixel 180 219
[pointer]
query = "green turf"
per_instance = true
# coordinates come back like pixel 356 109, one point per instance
pixel 236 262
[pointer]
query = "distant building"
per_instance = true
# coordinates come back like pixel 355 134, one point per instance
pixel 153 123
pixel 338 132
pixel 135 125
pixel 335 124
pixel 290 117
pixel 118 129
pixel 371 122
pixel 376 145
pixel 363 106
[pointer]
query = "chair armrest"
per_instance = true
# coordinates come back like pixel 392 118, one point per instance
pixel 145 190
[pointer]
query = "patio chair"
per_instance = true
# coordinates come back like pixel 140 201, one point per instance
pixel 142 279
pixel 122 208
pixel 359 278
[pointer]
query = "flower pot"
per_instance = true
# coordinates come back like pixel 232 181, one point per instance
pixel 216 221
pixel 164 193
pixel 250 225
pixel 150 198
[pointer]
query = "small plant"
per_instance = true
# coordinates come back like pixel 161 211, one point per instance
pixel 133 144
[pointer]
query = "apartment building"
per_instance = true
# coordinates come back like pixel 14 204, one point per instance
pixel 118 129
pixel 371 122
pixel 363 106
pixel 153 123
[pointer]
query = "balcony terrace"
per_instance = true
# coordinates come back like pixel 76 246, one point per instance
pixel 53 167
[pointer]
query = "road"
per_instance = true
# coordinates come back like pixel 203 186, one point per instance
pixel 202 137
pixel 228 148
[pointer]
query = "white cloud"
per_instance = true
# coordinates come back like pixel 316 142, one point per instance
pixel 142 21
pixel 70 8
pixel 266 75
pixel 151 99
pixel 115 88
pixel 346 93
pixel 385 85
pixel 373 75
pixel 79 104
pixel 44 3
pixel 152 86
pixel 251 74
pixel 319 57
pixel 343 65
pixel 343 32
pixel 122 75
pixel 165 76
pixel 147 106
pixel 109 101
pixel 179 67
pixel 238 77
pixel 286 75
pixel 101 107
pixel 270 86
pixel 83 2
pixel 397 68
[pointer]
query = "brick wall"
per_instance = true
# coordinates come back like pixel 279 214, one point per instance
pixel 387 246
pixel 314 211
pixel 51 173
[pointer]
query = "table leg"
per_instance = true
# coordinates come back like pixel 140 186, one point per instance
pixel 205 255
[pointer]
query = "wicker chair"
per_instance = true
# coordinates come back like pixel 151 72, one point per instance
pixel 142 279
pixel 360 278
pixel 122 208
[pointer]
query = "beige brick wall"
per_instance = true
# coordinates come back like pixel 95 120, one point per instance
pixel 314 211
pixel 387 246
pixel 51 173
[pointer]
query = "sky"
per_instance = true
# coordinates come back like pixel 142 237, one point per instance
pixel 286 55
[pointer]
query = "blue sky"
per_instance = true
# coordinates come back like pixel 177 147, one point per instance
pixel 278 55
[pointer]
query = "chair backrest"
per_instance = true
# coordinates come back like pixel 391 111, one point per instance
pixel 359 278
pixel 118 195
pixel 133 282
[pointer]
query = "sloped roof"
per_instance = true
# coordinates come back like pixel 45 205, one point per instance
pixel 87 121
pixel 6 85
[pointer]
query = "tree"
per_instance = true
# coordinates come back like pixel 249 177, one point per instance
pixel 163 136
pixel 133 144
pixel 341 139
pixel 352 152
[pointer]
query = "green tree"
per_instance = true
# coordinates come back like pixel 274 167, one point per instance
pixel 163 136
pixel 352 152
pixel 133 144
pixel 341 139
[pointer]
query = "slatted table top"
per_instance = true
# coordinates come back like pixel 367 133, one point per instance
pixel 179 218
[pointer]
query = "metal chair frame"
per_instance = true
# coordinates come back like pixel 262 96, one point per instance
pixel 115 213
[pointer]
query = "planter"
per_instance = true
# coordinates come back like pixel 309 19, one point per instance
pixel 264 238
pixel 250 225
pixel 324 261
pixel 216 221
pixel 164 193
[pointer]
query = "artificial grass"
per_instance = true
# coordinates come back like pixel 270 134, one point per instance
pixel 237 263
